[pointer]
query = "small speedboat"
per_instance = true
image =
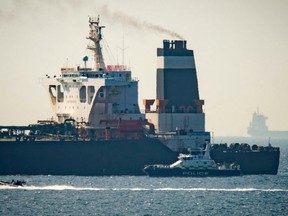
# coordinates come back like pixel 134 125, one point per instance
pixel 13 183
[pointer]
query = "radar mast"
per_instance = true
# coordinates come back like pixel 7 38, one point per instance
pixel 95 36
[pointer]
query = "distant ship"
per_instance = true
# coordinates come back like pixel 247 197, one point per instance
pixel 98 129
pixel 258 128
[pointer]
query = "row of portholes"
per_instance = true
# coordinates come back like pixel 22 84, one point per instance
pixel 71 96
pixel 100 75
pixel 71 107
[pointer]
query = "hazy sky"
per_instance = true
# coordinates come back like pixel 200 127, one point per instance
pixel 240 46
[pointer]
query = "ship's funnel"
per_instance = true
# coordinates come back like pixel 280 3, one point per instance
pixel 177 77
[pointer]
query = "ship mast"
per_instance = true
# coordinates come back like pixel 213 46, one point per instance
pixel 95 36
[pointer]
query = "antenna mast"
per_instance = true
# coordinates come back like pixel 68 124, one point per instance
pixel 123 50
pixel 95 36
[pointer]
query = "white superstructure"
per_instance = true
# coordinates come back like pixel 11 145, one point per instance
pixel 93 95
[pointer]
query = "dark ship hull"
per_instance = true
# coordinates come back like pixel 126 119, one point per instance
pixel 112 157
pixel 84 158
pixel 261 161
pixel 153 171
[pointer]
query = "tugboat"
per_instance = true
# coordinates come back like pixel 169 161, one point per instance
pixel 196 164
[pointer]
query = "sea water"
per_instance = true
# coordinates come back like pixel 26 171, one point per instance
pixel 143 195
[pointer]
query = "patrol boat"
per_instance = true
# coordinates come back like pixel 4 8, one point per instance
pixel 195 164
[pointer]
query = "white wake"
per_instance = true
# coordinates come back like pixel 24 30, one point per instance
pixel 75 188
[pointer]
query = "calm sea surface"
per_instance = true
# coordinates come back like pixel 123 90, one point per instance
pixel 130 195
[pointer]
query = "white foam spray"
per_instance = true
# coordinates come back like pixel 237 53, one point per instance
pixel 76 188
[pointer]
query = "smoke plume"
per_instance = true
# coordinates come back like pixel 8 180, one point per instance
pixel 134 22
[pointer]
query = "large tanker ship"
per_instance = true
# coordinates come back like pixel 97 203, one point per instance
pixel 98 129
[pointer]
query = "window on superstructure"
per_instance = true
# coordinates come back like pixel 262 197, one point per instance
pixel 82 94
pixel 101 93
pixel 60 94
pixel 127 76
pixel 91 92
pixel 53 93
